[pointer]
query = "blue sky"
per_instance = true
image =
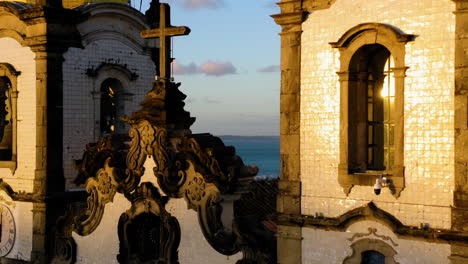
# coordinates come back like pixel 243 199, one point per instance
pixel 229 64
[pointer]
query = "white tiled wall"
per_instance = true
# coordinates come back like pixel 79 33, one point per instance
pixel 79 107
pixel 22 59
pixel 429 109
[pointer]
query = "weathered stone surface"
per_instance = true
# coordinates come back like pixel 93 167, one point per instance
pixel 289 245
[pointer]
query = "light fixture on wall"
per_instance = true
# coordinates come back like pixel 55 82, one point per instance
pixel 381 182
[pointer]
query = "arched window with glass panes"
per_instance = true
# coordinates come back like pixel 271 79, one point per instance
pixel 372 74
pixel 371 110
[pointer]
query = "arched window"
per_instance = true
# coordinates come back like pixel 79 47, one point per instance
pixel 111 107
pixel 6 119
pixel 112 97
pixel 8 115
pixel 372 77
pixel 371 251
pixel 372 257
pixel 371 110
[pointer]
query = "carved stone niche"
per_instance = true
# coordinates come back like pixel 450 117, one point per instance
pixel 147 232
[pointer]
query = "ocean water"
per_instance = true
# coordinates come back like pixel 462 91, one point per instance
pixel 262 151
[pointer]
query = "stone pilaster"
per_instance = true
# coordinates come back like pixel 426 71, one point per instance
pixel 459 211
pixel 52 32
pixel 460 205
pixel 289 197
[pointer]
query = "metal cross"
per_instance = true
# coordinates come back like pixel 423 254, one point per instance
pixel 164 33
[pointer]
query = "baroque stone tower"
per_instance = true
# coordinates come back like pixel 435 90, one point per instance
pixel 66 76
pixel 97 154
pixel 373 132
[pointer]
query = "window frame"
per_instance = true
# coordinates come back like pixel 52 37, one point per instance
pixel 8 71
pixel 394 40
pixel 368 244
pixel 109 71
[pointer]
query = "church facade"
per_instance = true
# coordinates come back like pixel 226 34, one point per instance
pixel 374 146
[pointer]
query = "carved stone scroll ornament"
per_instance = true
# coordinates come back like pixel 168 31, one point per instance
pixel 203 171
pixel 101 189
pixel 147 139
pixel 96 154
pixel 147 232
pixel 206 199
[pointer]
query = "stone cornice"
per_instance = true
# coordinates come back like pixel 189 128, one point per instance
pixel 291 6
pixel 313 5
pixel 370 211
pixel 295 18
pixel 47 36
pixel 294 12
pixel 461 6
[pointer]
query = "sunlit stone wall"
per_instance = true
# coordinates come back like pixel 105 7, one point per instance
pixel 429 110
pixel 334 246
pixel 22 59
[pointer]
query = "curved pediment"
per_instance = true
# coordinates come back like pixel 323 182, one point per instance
pixel 379 28
pixel 369 212
pixel 10 23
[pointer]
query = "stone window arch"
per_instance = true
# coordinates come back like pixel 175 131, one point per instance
pixel 8 116
pixel 112 97
pixel 366 251
pixel 112 107
pixel 372 74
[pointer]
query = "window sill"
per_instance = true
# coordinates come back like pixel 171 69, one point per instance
pixel 10 164
pixel 349 180
pixel 375 173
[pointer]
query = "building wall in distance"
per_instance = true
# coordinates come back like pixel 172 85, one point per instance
pixel 114 42
pixel 428 109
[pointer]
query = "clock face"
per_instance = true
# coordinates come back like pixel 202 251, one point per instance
pixel 7 230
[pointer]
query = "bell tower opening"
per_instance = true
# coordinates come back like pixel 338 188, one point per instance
pixel 6 121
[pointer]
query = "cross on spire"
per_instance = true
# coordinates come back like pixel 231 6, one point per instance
pixel 164 33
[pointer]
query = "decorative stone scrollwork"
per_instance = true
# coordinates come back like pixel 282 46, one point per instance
pixel 147 232
pixel 147 139
pixel 374 232
pixel 101 189
pixel 96 154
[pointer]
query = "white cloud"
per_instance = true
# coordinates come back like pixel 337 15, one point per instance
pixel 197 4
pixel 210 68
pixel 217 68
pixel 184 69
pixel 271 68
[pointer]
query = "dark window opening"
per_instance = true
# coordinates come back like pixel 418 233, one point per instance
pixel 371 110
pixel 372 257
pixel 111 107
pixel 6 119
